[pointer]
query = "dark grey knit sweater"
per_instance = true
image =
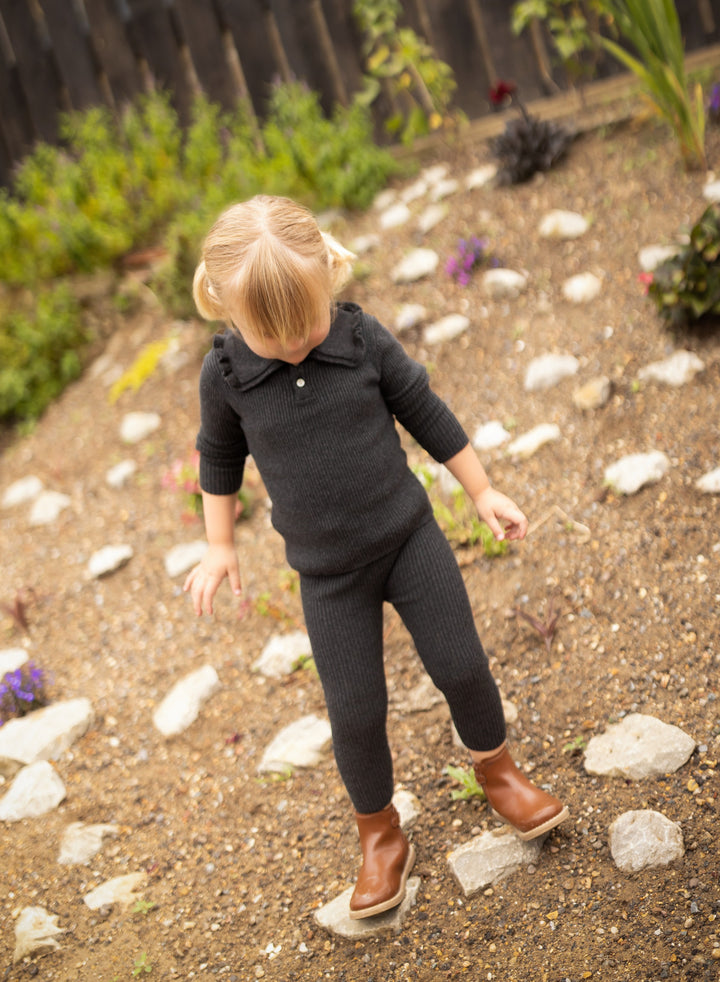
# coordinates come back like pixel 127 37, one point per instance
pixel 323 436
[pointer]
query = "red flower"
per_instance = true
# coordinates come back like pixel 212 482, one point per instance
pixel 500 92
pixel 646 279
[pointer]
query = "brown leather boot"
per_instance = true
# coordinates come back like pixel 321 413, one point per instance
pixel 387 860
pixel 514 800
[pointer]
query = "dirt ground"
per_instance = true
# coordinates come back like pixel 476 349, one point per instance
pixel 237 866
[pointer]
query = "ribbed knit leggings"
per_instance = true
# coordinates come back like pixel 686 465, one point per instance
pixel 344 619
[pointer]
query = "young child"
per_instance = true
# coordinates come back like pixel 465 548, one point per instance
pixel 312 389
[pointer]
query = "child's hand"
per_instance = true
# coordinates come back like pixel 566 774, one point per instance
pixel 502 515
pixel 218 562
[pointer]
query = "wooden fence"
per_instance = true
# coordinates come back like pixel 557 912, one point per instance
pixel 60 55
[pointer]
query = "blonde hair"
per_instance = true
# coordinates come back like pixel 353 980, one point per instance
pixel 266 264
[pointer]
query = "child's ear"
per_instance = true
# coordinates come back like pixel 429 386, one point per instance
pixel 340 259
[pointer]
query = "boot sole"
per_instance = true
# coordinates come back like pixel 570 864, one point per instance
pixel 357 915
pixel 540 829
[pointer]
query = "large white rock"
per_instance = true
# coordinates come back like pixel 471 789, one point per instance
pixel 582 288
pixel 281 654
pixel 446 328
pixel 44 734
pixel 335 915
pixel 638 747
pixel 108 559
pixel 560 224
pixel 119 475
pixel 528 443
pixel 639 839
pixel 21 491
pixel 654 255
pixel 120 890
pixel 548 370
pixel 11 659
pixel 81 842
pixel 181 706
pixel 480 177
pixel 395 215
pixel 47 507
pixel 409 315
pixel 711 191
pixel 636 470
pixel 415 265
pixel 137 426
pixel 183 557
pixel 676 370
pixel 36 789
pixel 35 933
pixel 490 858
pixel 298 745
pixel 710 482
pixel 430 217
pixel 490 435
pixel 503 284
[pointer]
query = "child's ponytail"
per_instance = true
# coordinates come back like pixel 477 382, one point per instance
pixel 340 262
pixel 206 299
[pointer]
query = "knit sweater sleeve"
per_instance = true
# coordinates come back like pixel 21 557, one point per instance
pixel 406 389
pixel 221 440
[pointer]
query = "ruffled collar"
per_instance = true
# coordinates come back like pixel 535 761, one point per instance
pixel 243 369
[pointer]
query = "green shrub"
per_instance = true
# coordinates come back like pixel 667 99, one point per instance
pixel 38 352
pixel 686 287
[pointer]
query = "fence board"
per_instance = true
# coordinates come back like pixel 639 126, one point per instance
pixel 16 129
pixel 155 40
pixel 201 33
pixel 40 83
pixel 73 54
pixel 244 19
pixel 113 51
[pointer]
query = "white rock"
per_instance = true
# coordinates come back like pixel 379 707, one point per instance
pixel 137 426
pixel 654 255
pixel 503 284
pixel 298 745
pixel 446 328
pixel 22 491
pixel 434 174
pixel 490 858
pixel 594 394
pixel 490 435
pixel 560 224
pixel 547 370
pixel 415 265
pixel 431 217
pixel 421 698
pixel 81 842
pixel 108 559
pixel 710 482
pixel 638 747
pixel 444 188
pixel 183 557
pixel 396 215
pixel 35 933
pixel 414 191
pixel 11 659
pixel 44 734
pixel 36 789
pixel 711 191
pixel 582 288
pixel 365 243
pixel 481 177
pixel 383 199
pixel 119 475
pixel 281 654
pixel 408 807
pixel 634 471
pixel 409 315
pixel 676 370
pixel 47 507
pixel 181 706
pixel 335 915
pixel 640 839
pixel 528 443
pixel 119 890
